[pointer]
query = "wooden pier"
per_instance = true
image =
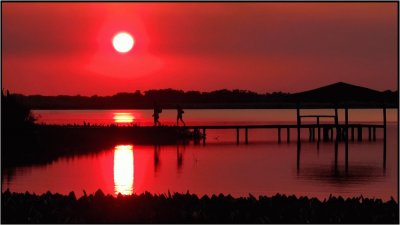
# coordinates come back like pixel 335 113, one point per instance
pixel 317 132
pixel 327 130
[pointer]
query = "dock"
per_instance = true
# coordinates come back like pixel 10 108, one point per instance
pixel 333 132
pixel 317 131
pixel 327 130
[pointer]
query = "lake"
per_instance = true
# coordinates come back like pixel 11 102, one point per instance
pixel 262 167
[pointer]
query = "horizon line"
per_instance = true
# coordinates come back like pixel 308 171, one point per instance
pixel 201 92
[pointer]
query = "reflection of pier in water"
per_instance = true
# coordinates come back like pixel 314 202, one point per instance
pixel 334 132
pixel 332 175
pixel 328 130
pixel 342 134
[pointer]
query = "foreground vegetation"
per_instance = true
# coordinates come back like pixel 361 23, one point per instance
pixel 188 208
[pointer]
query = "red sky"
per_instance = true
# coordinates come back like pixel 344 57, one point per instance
pixel 65 48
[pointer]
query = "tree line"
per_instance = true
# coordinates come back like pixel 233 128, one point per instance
pixel 339 93
pixel 168 98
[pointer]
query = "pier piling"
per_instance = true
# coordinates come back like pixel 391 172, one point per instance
pixel 313 134
pixel 336 123
pixel 246 136
pixel 288 134
pixel 359 134
pixel 384 137
pixel 204 136
pixel 279 135
pixel 298 155
pixel 346 129
pixel 237 136
pixel 319 136
pixel 328 129
pixel 374 133
pixel 298 122
pixel 339 133
pixel 325 134
pixel 369 134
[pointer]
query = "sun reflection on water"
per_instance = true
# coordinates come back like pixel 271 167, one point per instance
pixel 123 118
pixel 123 169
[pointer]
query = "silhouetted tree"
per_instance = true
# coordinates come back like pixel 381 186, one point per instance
pixel 339 92
pixel 15 115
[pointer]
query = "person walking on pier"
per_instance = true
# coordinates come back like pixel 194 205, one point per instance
pixel 180 115
pixel 156 114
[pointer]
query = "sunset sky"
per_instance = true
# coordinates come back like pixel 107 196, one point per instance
pixel 66 48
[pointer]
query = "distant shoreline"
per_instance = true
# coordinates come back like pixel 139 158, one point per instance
pixel 338 95
pixel 233 106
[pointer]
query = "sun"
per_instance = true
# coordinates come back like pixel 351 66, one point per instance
pixel 123 42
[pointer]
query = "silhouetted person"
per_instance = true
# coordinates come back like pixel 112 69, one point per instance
pixel 180 115
pixel 156 114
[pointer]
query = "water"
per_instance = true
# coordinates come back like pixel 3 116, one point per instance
pixel 205 116
pixel 263 167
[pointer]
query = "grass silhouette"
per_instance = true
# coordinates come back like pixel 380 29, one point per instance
pixel 189 208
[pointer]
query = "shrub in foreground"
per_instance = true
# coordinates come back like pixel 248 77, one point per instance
pixel 189 208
